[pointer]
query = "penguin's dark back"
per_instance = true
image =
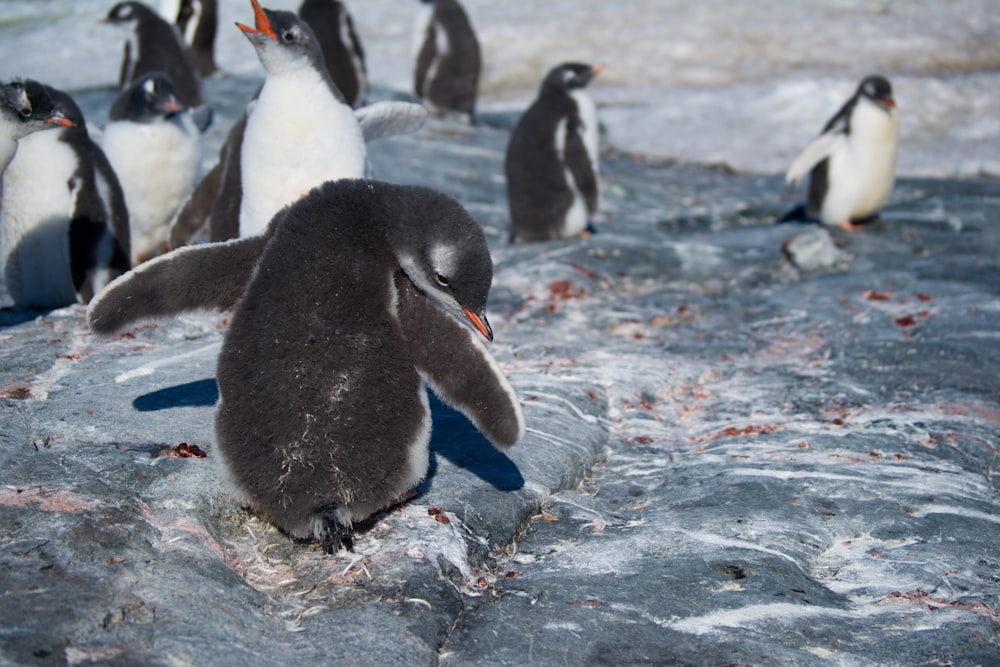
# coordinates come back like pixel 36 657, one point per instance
pixel 312 351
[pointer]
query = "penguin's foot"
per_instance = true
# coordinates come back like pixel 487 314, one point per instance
pixel 330 533
pixel 403 497
pixel 849 226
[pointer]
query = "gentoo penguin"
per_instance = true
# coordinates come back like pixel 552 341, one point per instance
pixel 20 116
pixel 301 132
pixel 63 222
pixel 552 159
pixel 153 45
pixel 197 21
pixel 358 293
pixel 217 197
pixel 852 163
pixel 154 145
pixel 342 52
pixel 446 77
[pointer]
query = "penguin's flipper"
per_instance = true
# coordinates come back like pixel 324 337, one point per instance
pixel 207 276
pixel 456 364
pixel 386 119
pixel 818 150
pixel 579 165
pixel 196 209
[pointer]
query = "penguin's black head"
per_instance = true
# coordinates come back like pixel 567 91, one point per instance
pixel 442 250
pixel 283 41
pixel 64 105
pixel 30 104
pixel 125 13
pixel 571 76
pixel 877 89
pixel 150 97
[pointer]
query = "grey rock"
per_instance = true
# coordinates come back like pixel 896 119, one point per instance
pixel 727 462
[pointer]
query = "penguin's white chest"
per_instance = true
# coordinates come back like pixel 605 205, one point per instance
pixel 578 215
pixel 156 164
pixel 297 137
pixel 38 198
pixel 860 175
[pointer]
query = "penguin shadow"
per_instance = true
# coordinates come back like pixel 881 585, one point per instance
pixel 453 437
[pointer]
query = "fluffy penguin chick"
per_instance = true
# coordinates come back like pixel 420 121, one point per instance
pixel 447 70
pixel 301 132
pixel 551 165
pixel 63 222
pixel 360 293
pixel 852 163
pixel 342 51
pixel 154 146
pixel 154 45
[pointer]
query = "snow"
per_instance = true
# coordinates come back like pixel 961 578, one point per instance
pixel 746 84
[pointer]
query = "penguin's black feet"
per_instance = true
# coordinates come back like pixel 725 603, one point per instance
pixel 330 533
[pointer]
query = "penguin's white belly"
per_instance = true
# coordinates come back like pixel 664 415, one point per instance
pixel 297 137
pixel 577 217
pixel 156 164
pixel 860 176
pixel 34 222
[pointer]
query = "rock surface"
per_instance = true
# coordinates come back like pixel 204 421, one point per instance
pixel 729 460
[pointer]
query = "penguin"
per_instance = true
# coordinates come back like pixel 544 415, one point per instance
pixel 63 221
pixel 20 116
pixel 197 21
pixel 154 145
pixel 361 292
pixel 301 131
pixel 342 51
pixel 552 159
pixel 217 197
pixel 852 163
pixel 448 65
pixel 154 45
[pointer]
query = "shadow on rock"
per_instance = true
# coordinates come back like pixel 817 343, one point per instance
pixel 199 393
pixel 456 439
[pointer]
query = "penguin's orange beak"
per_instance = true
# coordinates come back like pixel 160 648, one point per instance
pixel 60 120
pixel 481 323
pixel 597 69
pixel 888 102
pixel 262 25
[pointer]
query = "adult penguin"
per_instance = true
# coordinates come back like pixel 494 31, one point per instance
pixel 63 221
pixel 552 159
pixel 342 50
pixel 154 45
pixel 852 163
pixel 446 77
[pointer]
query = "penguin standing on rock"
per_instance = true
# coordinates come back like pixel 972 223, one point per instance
pixel 153 45
pixel 446 77
pixel 852 163
pixel 552 159
pixel 300 132
pixel 360 294
pixel 342 51
pixel 63 221
pixel 154 145
pixel 197 21
pixel 20 115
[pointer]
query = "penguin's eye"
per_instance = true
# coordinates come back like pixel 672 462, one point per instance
pixel 442 280
pixel 24 111
pixel 288 35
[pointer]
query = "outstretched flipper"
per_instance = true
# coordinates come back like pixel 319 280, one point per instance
pixel 580 166
pixel 456 364
pixel 387 119
pixel 818 150
pixel 208 276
